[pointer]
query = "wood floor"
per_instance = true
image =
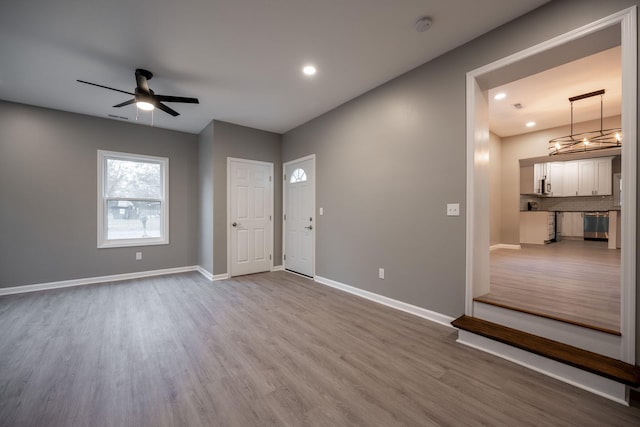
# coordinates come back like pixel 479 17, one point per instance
pixel 573 281
pixel 259 350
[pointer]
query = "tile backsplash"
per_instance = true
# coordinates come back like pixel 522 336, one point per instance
pixel 570 204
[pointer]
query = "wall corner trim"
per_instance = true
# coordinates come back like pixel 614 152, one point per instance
pixel 204 272
pixel 389 302
pixel 94 280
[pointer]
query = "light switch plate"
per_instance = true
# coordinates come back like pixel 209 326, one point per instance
pixel 453 209
pixel 321 211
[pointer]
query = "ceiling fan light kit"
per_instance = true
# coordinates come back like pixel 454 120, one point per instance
pixel 144 98
pixel 586 141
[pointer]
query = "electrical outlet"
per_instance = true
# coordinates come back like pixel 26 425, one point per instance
pixel 381 273
pixel 453 209
pixel 138 256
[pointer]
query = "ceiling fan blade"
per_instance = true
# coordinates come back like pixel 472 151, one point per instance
pixel 141 79
pixel 129 102
pixel 166 109
pixel 105 87
pixel 167 98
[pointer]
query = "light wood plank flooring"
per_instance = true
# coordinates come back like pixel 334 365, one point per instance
pixel 573 281
pixel 259 350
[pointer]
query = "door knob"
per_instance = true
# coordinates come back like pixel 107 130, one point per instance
pixel 235 224
pixel 309 227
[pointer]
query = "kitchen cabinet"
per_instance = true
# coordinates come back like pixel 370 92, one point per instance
pixel 537 227
pixel 570 171
pixel 588 177
pixel 603 179
pixel 555 179
pixel 571 224
pixel 594 177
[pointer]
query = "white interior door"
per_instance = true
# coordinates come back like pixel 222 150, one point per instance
pixel 250 210
pixel 299 219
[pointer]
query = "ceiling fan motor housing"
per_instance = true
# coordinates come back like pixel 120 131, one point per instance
pixel 147 74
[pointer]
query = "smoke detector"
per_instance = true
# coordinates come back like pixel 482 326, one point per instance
pixel 423 24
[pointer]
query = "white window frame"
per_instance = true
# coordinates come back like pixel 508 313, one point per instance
pixel 103 241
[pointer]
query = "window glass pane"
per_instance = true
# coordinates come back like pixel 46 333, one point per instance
pixel 126 178
pixel 133 219
pixel 298 175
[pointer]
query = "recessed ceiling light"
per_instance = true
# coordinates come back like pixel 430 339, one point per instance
pixel 531 124
pixel 309 70
pixel 500 96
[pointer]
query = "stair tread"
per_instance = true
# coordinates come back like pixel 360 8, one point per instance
pixel 598 364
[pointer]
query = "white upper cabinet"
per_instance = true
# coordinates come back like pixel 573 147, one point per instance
pixel 555 179
pixel 595 177
pixel 603 177
pixel 570 171
pixel 588 177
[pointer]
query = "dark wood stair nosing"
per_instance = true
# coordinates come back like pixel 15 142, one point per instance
pixel 595 363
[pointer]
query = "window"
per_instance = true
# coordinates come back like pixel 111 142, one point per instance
pixel 132 200
pixel 298 175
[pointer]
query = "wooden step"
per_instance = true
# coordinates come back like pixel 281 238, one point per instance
pixel 604 366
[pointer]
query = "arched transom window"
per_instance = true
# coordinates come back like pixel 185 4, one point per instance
pixel 298 175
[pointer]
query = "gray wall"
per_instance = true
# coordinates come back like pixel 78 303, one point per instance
pixel 387 163
pixel 390 160
pixel 205 180
pixel 48 183
pixel 231 140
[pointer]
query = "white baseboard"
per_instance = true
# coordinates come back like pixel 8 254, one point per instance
pixel 504 246
pixel 93 280
pixel 204 272
pixel 223 276
pixel 389 302
pixel 577 377
pixel 278 268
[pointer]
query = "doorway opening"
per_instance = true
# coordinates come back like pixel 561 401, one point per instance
pixel 585 41
pixel 558 270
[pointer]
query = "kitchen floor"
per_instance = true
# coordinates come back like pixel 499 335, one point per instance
pixel 572 280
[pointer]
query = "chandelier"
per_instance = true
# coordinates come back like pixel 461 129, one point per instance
pixel 586 141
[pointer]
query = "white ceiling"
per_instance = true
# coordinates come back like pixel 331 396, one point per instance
pixel 545 96
pixel 241 58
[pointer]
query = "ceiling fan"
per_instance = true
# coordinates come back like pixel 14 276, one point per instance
pixel 144 97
